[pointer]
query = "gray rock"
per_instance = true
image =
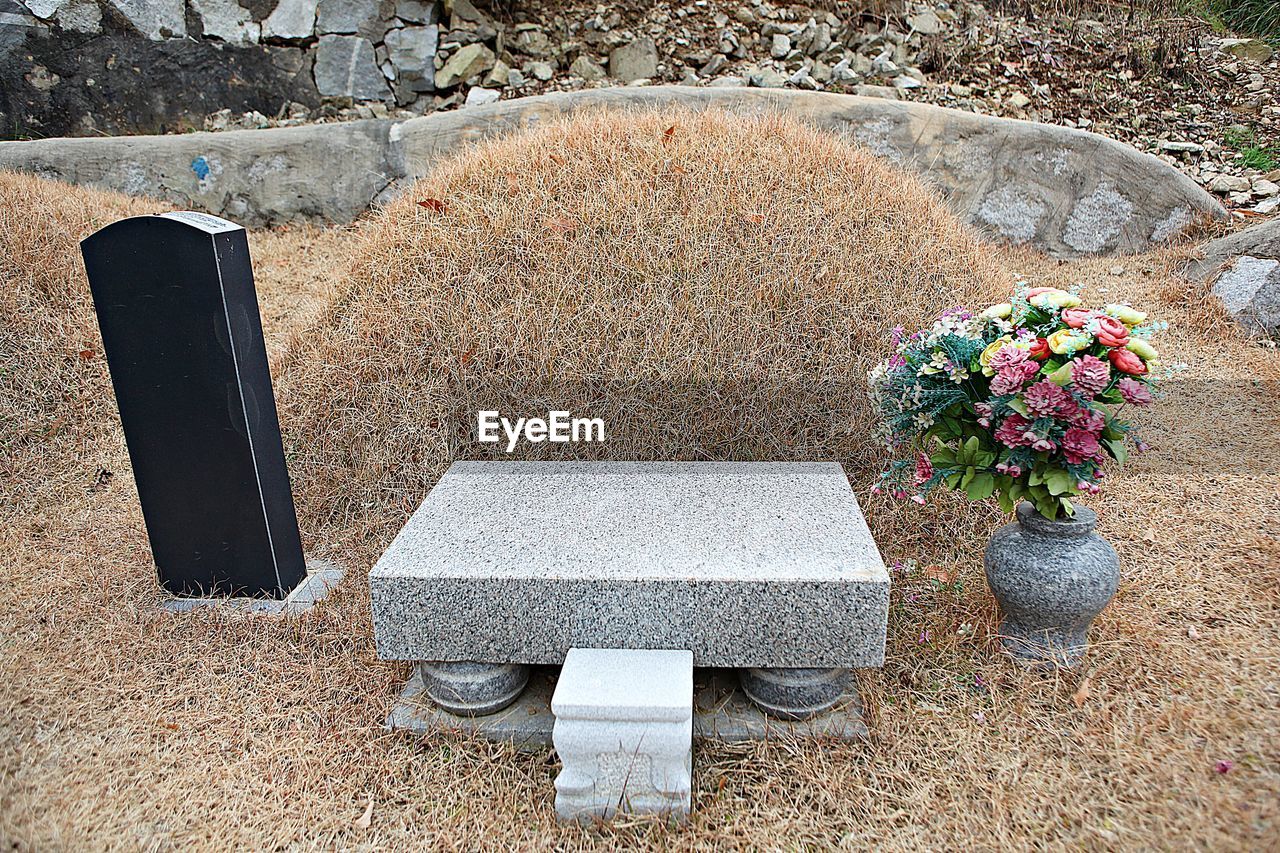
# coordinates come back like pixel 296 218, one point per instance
pixel 155 19
pixel 499 75
pixel 227 20
pixel 351 17
pixel 466 62
pixel 587 69
pixel 766 78
pixel 1244 269
pixel 926 23
pixel 1250 50
pixel 470 688
pixel 418 11
pixel 779 46
pixel 345 67
pixel 532 42
pixel 635 555
pixel 635 61
pixel 478 96
pixel 291 19
pixel 82 16
pixel 412 51
pixel 866 90
pixel 1050 578
pixel 539 70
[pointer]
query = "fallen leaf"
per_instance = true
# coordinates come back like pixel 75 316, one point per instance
pixel 1082 692
pixel 365 820
pixel 754 218
pixel 1223 766
pixel 939 574
pixel 434 205
pixel 513 184
pixel 86 354
pixel 669 132
pixel 1150 536
pixel 468 355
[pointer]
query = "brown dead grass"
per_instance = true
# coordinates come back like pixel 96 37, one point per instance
pixel 679 274
pixel 123 727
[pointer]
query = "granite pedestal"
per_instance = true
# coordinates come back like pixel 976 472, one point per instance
pixel 759 565
pixel 624 733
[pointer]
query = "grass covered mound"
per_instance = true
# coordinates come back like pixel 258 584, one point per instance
pixel 712 286
pixel 55 392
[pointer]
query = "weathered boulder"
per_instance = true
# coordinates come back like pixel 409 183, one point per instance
pixel 412 51
pixel 1245 271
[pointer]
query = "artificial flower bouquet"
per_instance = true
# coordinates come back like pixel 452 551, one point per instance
pixel 1022 401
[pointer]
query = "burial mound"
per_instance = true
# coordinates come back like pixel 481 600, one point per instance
pixel 711 286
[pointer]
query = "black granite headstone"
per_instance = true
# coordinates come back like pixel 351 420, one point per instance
pixel 179 317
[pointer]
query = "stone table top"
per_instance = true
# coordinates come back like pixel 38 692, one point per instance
pixel 743 563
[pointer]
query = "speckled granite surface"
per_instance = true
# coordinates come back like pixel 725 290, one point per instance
pixel 745 564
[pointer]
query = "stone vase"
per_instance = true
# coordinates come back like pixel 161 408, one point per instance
pixel 1051 578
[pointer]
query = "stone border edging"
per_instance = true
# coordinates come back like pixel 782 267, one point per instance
pixel 1064 191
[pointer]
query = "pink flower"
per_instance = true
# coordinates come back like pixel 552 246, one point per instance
pixel 1011 470
pixel 1090 375
pixel 1011 432
pixel 918 499
pixel 1075 318
pixel 1007 356
pixel 1079 445
pixel 924 469
pixel 1134 391
pixel 1223 766
pixel 1043 444
pixel 1045 399
pixel 1089 420
pixel 1013 376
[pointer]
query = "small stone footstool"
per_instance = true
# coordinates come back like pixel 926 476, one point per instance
pixel 624 732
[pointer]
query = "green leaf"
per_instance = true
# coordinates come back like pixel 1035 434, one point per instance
pixel 981 486
pixel 952 480
pixel 1117 449
pixel 1019 406
pixel 1059 481
pixel 967 478
pixel 1006 501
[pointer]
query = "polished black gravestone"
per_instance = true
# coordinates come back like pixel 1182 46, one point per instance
pixel 179 317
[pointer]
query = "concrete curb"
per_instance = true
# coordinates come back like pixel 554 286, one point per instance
pixel 1064 191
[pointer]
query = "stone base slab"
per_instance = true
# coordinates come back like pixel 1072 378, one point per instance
pixel 721 714
pixel 322 577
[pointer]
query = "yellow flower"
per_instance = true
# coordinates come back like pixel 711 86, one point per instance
pixel 998 311
pixel 1141 348
pixel 1125 314
pixel 1067 341
pixel 987 354
pixel 1055 299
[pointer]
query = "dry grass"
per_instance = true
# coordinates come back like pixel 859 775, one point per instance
pixel 707 284
pixel 123 727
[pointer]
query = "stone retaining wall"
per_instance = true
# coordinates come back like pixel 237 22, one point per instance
pixel 1064 191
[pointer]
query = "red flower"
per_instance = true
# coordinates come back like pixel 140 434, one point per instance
pixel 1111 332
pixel 1040 349
pixel 1079 445
pixel 1126 362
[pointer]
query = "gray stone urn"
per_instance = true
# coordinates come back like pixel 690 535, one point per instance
pixel 1051 578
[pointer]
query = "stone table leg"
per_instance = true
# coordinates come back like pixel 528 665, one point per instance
pixel 471 689
pixel 794 694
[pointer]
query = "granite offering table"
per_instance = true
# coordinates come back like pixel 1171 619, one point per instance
pixel 764 566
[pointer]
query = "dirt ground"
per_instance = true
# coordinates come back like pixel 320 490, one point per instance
pixel 122 726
